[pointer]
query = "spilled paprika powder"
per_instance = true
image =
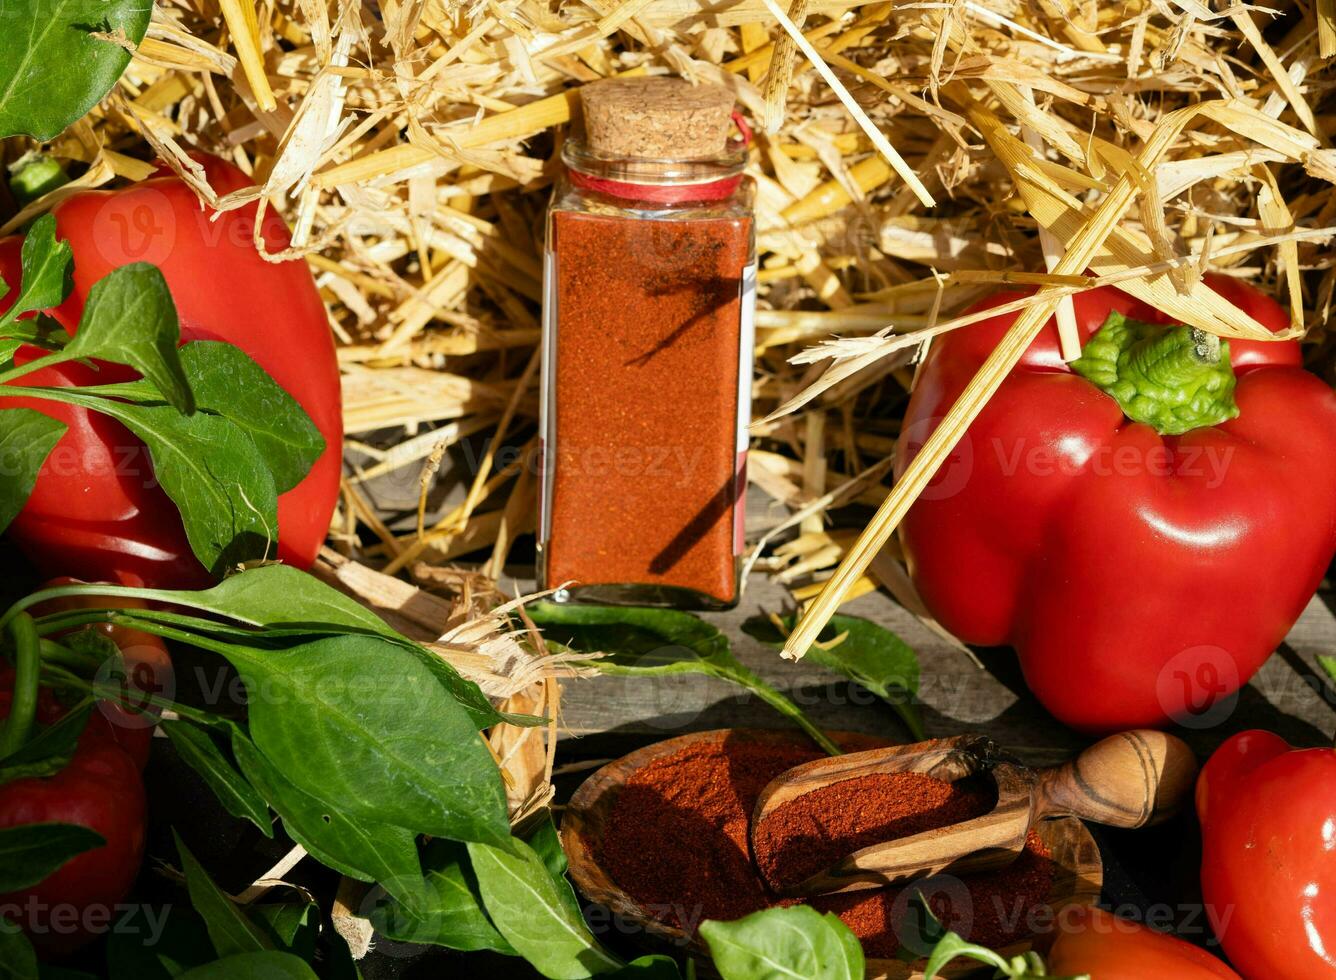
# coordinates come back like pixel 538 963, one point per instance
pixel 647 360
pixel 677 842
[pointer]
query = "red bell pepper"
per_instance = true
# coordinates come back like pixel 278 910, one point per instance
pixel 1093 944
pixel 1143 570
pixel 99 788
pixel 1268 872
pixel 96 510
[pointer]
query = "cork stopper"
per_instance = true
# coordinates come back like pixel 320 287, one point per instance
pixel 656 118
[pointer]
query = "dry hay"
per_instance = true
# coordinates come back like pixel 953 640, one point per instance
pixel 1063 144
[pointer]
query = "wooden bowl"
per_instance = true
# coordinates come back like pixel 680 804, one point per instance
pixel 1077 879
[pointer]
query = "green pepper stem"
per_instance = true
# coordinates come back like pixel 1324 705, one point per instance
pixel 1173 378
pixel 78 661
pixel 23 704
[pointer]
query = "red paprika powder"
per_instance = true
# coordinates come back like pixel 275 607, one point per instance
pixel 650 283
pixel 677 842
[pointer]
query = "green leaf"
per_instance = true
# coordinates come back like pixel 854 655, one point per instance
pixel 229 929
pixel 292 926
pixel 867 654
pixel 26 439
pixel 38 330
pixel 227 382
pixel 796 942
pixel 157 943
pixel 50 750
pixel 36 177
pixel 198 749
pixel 527 908
pixel 18 960
pixel 649 968
pixel 359 721
pixel 452 914
pixel 210 469
pixel 52 70
pixel 32 852
pixel 1327 663
pixel 130 318
pixel 362 849
pixel 658 642
pixel 48 271
pixel 269 965
pixel 285 601
pixel 546 843
pixel 47 972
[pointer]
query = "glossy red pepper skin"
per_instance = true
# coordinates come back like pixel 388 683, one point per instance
pixel 1268 875
pixel 1096 942
pixel 101 789
pixel 1140 577
pixel 95 511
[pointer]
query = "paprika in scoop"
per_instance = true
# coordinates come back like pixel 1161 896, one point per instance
pixel 1268 822
pixel 1143 525
pixel 96 509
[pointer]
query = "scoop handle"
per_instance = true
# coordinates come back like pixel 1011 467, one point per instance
pixel 1130 779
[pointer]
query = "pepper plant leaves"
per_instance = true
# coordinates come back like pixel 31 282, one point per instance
pixel 26 439
pixel 48 272
pixel 32 852
pixel 198 750
pixel 267 965
pixel 210 469
pixel 657 642
pixel 50 750
pixel 284 602
pixel 360 722
pixel 526 905
pixel 52 70
pixel 361 849
pixel 157 943
pixel 227 382
pixel 18 960
pixel 657 967
pixel 292 927
pixel 452 914
pixel 546 843
pixel 229 929
pixel 864 652
pixel 796 942
pixel 130 318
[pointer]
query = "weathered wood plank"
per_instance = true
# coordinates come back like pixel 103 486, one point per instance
pixel 1288 695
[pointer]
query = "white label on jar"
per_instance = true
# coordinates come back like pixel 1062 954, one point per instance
pixel 746 368
pixel 547 408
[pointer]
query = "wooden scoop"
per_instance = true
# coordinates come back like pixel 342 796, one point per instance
pixel 1127 780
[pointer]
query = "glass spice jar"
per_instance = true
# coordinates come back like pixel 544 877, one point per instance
pixel 649 285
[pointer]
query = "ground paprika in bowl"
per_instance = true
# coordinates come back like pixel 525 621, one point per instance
pixel 650 281
pixel 661 838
